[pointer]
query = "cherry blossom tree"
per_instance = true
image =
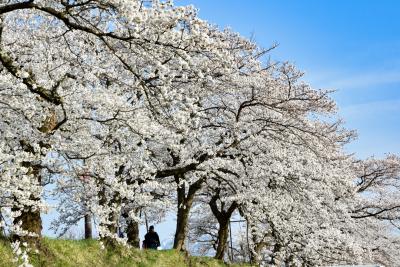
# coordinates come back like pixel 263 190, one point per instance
pixel 129 106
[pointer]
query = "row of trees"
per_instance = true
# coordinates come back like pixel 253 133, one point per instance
pixel 131 106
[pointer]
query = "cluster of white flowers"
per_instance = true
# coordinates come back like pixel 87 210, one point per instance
pixel 131 107
pixel 21 253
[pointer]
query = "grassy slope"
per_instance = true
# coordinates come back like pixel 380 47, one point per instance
pixel 87 253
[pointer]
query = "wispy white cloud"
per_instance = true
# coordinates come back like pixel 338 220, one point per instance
pixel 376 108
pixel 366 80
pixel 343 81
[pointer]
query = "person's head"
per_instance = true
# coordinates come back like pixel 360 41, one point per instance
pixel 151 228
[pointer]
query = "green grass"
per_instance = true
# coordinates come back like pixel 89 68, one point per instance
pixel 87 253
pixel 5 254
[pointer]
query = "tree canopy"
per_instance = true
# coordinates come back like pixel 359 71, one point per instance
pixel 131 106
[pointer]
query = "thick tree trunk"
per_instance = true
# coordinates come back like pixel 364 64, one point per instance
pixel 88 226
pixel 223 233
pixel 181 226
pixel 113 217
pixel 112 227
pixel 132 229
pixel 223 217
pixel 132 233
pixel 30 219
pixel 184 206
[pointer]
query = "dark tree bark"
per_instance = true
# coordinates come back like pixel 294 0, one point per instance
pixel 223 217
pixel 223 233
pixel 132 230
pixel 181 224
pixel 2 234
pixel 88 226
pixel 132 233
pixel 31 222
pixel 185 202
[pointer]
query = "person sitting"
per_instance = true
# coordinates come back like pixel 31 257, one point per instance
pixel 151 239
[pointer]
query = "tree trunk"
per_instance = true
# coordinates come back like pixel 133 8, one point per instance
pixel 223 232
pixel 112 217
pixel 132 233
pixel 2 233
pixel 223 217
pixel 181 225
pixel 132 229
pixel 254 252
pixel 88 226
pixel 30 219
pixel 181 220
pixel 184 206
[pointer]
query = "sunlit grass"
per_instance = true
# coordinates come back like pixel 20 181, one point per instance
pixel 88 253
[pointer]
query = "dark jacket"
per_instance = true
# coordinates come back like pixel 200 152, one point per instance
pixel 151 240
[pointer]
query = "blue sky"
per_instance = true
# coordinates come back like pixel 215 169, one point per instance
pixel 352 46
